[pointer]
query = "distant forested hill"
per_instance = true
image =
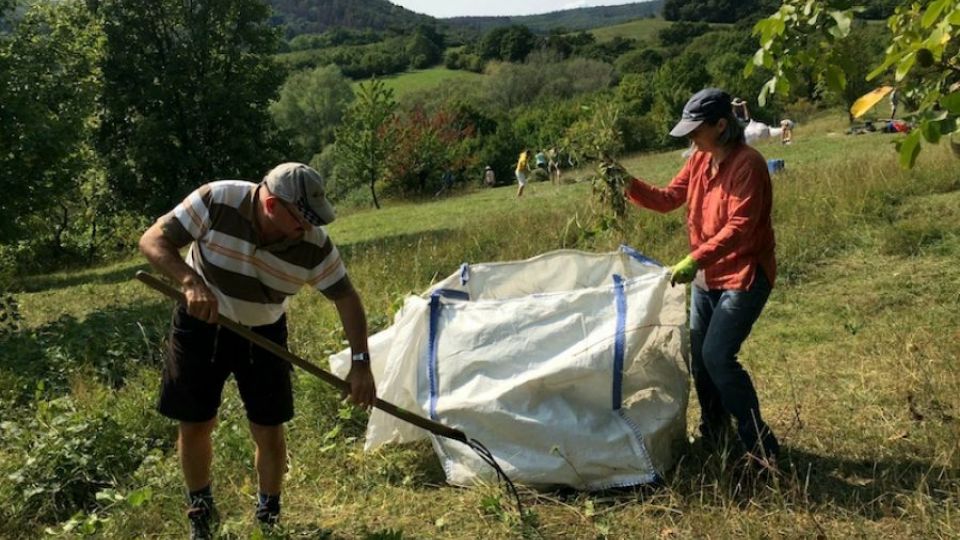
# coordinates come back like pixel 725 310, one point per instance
pixel 571 19
pixel 317 16
pixel 717 11
pixel 728 11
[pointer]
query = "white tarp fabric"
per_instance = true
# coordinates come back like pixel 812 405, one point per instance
pixel 568 366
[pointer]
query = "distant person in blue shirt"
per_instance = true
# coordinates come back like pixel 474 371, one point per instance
pixel 446 182
pixel 541 160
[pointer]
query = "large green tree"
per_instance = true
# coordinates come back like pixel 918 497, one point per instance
pixel 507 43
pixel 311 106
pixel 186 91
pixel 922 58
pixel 48 65
pixel 366 138
pixel 422 51
pixel 673 85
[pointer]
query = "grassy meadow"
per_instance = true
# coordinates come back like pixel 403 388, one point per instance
pixel 422 79
pixel 855 360
pixel 640 29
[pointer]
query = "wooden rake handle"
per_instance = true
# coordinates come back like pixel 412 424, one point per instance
pixel 433 427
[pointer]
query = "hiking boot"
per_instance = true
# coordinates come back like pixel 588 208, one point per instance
pixel 267 517
pixel 203 521
pixel 268 510
pixel 719 437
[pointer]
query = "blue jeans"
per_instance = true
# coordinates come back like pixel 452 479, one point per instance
pixel 720 321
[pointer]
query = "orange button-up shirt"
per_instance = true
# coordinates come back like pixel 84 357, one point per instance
pixel 728 215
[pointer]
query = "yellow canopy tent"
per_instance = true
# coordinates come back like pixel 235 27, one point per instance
pixel 867 101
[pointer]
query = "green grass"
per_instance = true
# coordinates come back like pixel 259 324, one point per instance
pixel 855 360
pixel 423 79
pixel 640 29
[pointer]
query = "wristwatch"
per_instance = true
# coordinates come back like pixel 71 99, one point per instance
pixel 361 357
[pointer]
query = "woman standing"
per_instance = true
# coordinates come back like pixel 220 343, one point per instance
pixel 727 190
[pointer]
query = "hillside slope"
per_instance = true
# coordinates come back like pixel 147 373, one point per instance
pixel 317 16
pixel 570 19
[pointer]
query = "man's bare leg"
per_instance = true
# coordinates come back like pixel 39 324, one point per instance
pixel 271 456
pixel 195 448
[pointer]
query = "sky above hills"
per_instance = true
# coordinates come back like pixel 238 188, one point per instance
pixel 459 8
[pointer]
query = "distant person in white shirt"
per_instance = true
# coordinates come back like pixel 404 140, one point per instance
pixel 740 110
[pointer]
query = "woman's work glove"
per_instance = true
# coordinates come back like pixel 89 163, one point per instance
pixel 684 271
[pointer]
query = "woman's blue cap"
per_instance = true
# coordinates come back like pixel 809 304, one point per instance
pixel 707 104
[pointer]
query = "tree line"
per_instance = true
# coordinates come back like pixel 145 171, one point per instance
pixel 554 91
pixel 113 110
pixel 732 11
pixel 365 54
pixel 296 17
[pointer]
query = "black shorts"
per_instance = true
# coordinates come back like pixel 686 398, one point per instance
pixel 202 356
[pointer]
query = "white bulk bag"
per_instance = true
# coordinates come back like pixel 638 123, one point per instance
pixel 568 366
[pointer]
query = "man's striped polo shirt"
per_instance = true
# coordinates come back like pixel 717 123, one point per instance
pixel 251 281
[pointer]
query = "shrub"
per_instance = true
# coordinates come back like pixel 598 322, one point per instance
pixel 107 345
pixel 451 59
pixel 539 175
pixel 455 59
pixel 675 82
pixel 311 106
pixel 93 234
pixel 64 457
pixel 500 150
pixel 422 52
pixel 680 33
pixel 427 145
pixel 639 133
pixel 607 51
pixel 635 94
pixel 355 61
pixel 543 126
pixel 639 61
pixel 800 110
pixel 9 314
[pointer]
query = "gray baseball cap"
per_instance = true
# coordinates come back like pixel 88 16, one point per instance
pixel 707 104
pixel 304 187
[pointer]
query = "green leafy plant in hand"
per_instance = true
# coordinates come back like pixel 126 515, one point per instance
pixel 597 138
pixel 609 186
